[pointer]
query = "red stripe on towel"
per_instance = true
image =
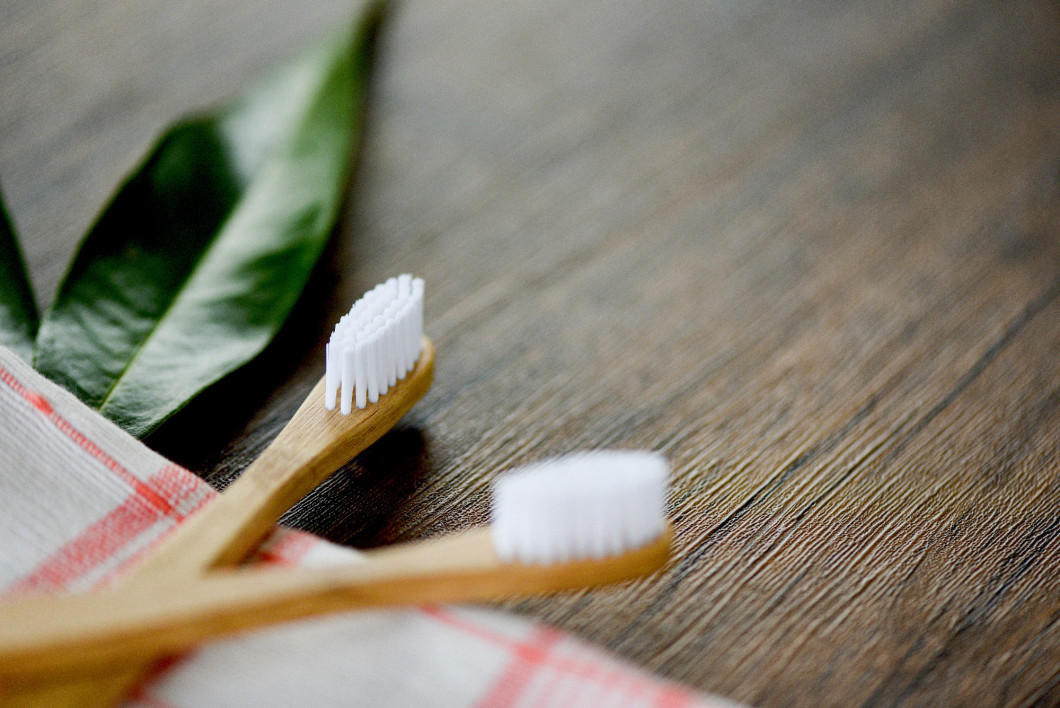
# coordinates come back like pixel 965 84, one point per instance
pixel 527 658
pixel 104 538
pixel 41 405
pixel 91 547
pixel 593 671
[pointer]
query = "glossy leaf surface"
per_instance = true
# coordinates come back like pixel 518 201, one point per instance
pixel 18 310
pixel 195 264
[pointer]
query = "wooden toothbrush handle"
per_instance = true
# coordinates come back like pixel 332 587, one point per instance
pixel 110 628
pixel 310 447
pixel 88 691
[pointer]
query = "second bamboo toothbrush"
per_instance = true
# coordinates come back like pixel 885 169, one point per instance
pixel 580 521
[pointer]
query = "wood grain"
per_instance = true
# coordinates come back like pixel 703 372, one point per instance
pixel 807 249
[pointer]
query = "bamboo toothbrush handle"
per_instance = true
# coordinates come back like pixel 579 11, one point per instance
pixel 310 447
pixel 109 628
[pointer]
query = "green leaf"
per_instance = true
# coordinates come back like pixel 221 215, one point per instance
pixel 18 311
pixel 193 267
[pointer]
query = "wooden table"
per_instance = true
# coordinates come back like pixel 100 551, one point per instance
pixel 811 251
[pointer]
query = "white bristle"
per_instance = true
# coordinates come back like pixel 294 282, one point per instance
pixel 375 344
pixel 585 505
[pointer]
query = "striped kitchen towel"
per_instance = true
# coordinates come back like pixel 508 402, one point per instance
pixel 81 501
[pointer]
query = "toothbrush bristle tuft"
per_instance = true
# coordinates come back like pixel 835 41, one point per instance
pixel 580 506
pixel 375 344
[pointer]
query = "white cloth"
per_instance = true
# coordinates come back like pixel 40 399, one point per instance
pixel 80 501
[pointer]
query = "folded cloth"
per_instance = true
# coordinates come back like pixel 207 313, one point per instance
pixel 81 501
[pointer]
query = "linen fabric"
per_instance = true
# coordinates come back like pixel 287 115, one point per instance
pixel 81 501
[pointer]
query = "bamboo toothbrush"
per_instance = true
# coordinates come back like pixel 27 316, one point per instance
pixel 382 337
pixel 380 340
pixel 582 520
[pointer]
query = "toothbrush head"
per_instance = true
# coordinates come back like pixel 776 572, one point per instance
pixel 374 345
pixel 583 506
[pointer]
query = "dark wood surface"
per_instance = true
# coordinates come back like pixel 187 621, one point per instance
pixel 809 250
